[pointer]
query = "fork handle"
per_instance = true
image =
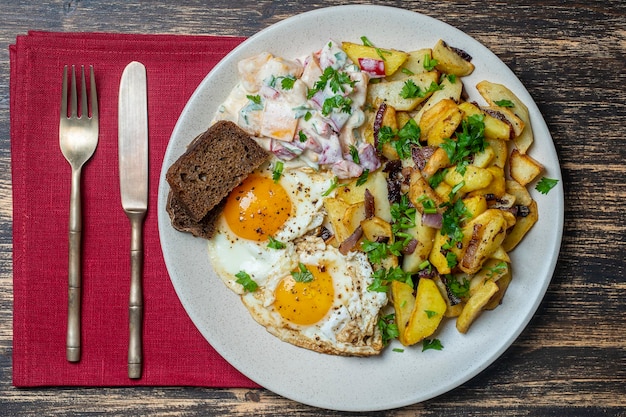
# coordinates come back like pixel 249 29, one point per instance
pixel 74 271
pixel 135 306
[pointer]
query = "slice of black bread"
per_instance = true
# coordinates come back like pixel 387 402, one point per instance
pixel 182 222
pixel 214 164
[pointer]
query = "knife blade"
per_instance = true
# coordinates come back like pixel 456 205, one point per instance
pixel 133 169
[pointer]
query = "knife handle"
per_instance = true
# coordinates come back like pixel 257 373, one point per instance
pixel 74 271
pixel 135 308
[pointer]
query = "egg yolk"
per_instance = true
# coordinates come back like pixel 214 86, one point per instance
pixel 257 208
pixel 305 302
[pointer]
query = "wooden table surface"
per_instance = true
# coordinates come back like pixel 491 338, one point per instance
pixel 571 56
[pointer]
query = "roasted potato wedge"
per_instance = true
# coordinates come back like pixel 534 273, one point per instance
pixel 523 168
pixel 440 122
pixel 522 226
pixel 495 94
pixel 450 61
pixel 475 305
pixel 413 65
pixel 403 304
pixel 428 311
pixel 391 58
pixel 391 91
pixel 448 90
pixel 488 233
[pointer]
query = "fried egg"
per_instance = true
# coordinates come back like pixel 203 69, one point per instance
pixel 260 211
pixel 332 311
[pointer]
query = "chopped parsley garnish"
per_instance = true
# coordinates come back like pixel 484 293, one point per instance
pixel 505 103
pixel 377 251
pixel 412 90
pixel 430 313
pixel 255 99
pixel 363 177
pixel 342 103
pixel 401 140
pixel 381 277
pixel 452 217
pixel 388 328
pixel 451 259
pixel 287 82
pixel 303 274
pixel 458 288
pixel 437 178
pixel 469 141
pixel 335 80
pixel 246 281
pixel 546 184
pixel 302 137
pixel 307 116
pixel 354 153
pixel 497 269
pixel 429 63
pixel 428 204
pixel 366 41
pixel 403 215
pixel 431 344
pixel 407 71
pixel 275 244
pixel 451 77
pixel 334 183
pixel 277 172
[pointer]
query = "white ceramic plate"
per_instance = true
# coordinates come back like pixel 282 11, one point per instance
pixel 394 379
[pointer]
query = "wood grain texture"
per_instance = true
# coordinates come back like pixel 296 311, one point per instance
pixel 571 56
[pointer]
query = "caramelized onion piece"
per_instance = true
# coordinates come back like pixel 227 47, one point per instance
pixel 370 206
pixel 351 241
pixel 378 121
pixel 433 220
pixel 410 247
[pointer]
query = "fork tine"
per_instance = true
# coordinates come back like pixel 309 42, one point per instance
pixel 84 110
pixel 94 95
pixel 64 94
pixel 73 100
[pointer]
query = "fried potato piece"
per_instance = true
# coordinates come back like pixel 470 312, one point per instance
pixel 429 310
pixel 474 178
pixel 413 65
pixel 495 93
pixel 494 127
pixel 336 211
pixel 376 183
pixel 449 61
pixel 424 235
pixel 403 304
pixel 440 121
pixel 448 90
pixel 376 228
pixel 521 227
pixel 475 305
pixel 523 168
pixel 488 233
pixel 393 58
pixel 391 91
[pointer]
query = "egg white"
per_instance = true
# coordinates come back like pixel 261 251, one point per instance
pixel 350 326
pixel 230 254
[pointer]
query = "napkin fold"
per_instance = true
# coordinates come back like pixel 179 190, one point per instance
pixel 174 352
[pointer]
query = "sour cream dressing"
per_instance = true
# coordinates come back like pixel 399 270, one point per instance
pixel 307 111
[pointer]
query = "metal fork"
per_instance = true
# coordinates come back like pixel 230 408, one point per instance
pixel 78 138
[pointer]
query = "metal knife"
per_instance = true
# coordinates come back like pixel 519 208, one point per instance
pixel 133 165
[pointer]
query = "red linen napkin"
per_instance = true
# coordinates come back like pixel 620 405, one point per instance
pixel 174 352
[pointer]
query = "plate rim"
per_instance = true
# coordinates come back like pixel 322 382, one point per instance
pixel 163 218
